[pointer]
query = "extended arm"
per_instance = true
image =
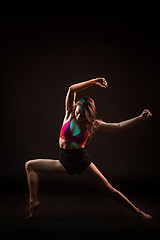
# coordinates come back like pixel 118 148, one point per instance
pixel 114 127
pixel 71 94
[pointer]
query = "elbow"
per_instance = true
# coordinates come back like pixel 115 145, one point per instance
pixel 71 89
pixel 121 126
pixel 118 127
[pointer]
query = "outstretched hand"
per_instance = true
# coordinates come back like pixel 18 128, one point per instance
pixel 145 114
pixel 101 82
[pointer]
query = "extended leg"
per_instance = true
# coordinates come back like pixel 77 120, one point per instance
pixel 96 178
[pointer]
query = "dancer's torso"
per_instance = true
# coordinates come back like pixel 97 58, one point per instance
pixel 72 135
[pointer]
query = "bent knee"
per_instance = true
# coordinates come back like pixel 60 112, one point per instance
pixel 29 165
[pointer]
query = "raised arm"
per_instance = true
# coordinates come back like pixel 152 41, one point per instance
pixel 71 94
pixel 114 127
pixel 96 81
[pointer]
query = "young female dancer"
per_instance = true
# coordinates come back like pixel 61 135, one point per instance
pixel 78 126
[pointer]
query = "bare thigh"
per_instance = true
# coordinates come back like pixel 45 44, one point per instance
pixel 95 177
pixel 46 166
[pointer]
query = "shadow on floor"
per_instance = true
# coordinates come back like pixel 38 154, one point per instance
pixel 77 216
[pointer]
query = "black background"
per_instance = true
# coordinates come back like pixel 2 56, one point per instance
pixel 48 47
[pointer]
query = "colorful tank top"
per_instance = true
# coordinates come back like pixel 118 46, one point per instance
pixel 77 137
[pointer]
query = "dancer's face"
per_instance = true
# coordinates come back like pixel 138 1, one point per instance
pixel 79 113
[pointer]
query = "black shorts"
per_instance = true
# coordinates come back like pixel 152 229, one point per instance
pixel 74 161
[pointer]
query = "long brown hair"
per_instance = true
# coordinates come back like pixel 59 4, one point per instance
pixel 89 108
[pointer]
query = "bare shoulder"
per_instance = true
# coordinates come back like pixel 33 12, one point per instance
pixel 97 124
pixel 98 121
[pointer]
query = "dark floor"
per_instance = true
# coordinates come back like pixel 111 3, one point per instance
pixel 85 215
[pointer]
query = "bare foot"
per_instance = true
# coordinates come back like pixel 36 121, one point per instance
pixel 33 206
pixel 143 215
